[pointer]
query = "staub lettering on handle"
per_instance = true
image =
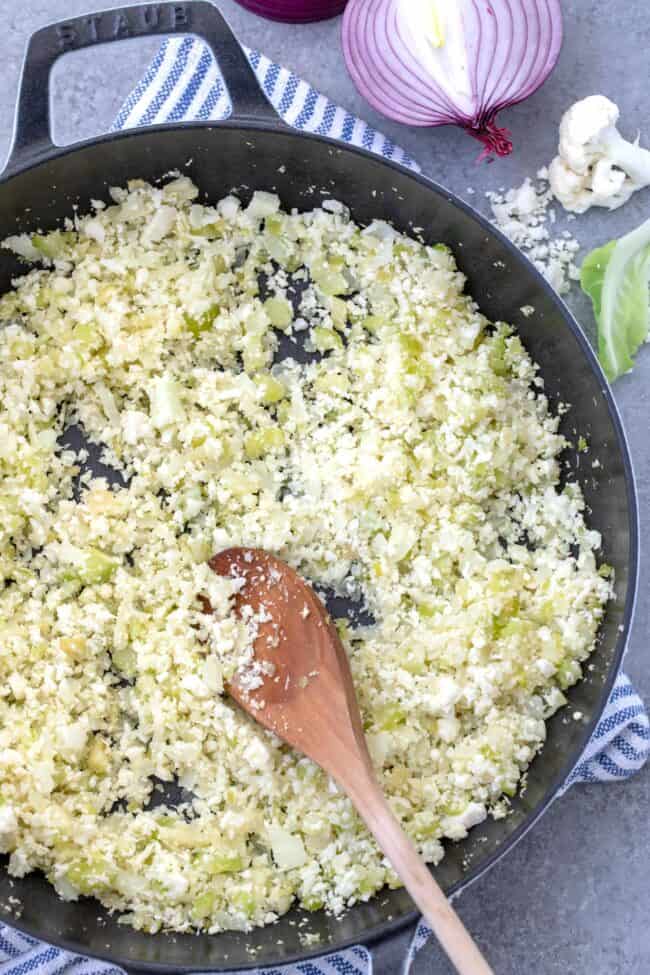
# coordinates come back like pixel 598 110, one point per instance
pixel 118 24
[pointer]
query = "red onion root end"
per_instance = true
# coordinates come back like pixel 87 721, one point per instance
pixel 496 140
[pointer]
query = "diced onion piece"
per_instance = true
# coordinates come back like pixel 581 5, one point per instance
pixel 288 848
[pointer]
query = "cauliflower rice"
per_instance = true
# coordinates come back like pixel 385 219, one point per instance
pixel 411 464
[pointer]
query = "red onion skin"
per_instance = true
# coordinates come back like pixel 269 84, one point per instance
pixel 516 44
pixel 295 11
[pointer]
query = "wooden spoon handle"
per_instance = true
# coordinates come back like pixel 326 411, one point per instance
pixel 373 807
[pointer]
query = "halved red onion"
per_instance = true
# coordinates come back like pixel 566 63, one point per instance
pixel 451 62
pixel 295 11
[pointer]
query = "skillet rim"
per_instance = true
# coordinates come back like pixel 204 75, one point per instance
pixel 387 929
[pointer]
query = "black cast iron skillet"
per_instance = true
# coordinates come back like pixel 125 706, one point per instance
pixel 255 150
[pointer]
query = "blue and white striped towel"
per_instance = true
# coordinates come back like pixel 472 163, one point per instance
pixel 183 83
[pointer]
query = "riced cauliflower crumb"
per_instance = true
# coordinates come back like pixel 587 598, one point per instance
pixel 406 464
pixel 523 214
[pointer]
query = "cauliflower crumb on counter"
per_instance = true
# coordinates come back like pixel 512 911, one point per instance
pixel 411 463
pixel 526 215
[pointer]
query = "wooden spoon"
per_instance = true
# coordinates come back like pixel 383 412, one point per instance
pixel 306 697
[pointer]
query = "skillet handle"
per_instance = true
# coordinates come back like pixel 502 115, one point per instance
pixel 32 136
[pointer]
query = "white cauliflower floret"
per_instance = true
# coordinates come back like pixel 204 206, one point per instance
pixel 595 165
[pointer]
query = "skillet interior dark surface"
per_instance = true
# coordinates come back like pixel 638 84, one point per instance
pixel 304 171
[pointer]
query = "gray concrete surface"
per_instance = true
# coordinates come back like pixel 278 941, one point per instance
pixel 574 896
